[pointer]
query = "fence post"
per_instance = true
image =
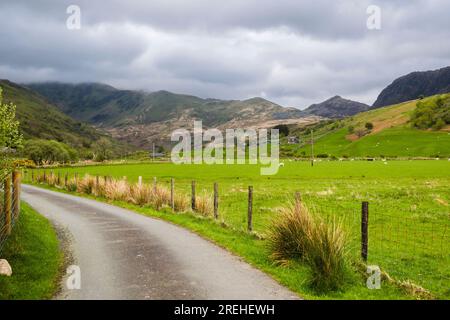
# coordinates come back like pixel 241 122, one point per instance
pixel 32 176
pixel 154 184
pixel 7 204
pixel 140 180
pixel 59 178
pixel 193 196
pixel 364 230
pixel 45 177
pixel 216 200
pixel 172 194
pixel 16 193
pixel 250 209
pixel 66 179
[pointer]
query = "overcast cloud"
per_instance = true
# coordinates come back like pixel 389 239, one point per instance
pixel 291 52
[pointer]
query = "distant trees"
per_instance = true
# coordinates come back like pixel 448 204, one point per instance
pixel 432 113
pixel 49 151
pixel 283 130
pixel 102 149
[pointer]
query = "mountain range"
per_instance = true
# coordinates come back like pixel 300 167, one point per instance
pixel 79 114
pixel 414 86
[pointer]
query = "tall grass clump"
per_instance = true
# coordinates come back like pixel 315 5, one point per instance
pixel 181 202
pixel 86 184
pixel 117 190
pixel 298 234
pixel 160 197
pixel 140 194
pixel 204 205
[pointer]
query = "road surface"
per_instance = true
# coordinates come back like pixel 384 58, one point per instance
pixel 124 255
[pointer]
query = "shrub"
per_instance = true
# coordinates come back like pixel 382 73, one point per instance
pixel 369 125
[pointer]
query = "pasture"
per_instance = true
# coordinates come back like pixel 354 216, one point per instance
pixel 409 206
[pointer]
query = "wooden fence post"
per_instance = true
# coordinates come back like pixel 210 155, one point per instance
pixel 193 196
pixel 172 194
pixel 16 193
pixel 45 177
pixel 364 230
pixel 140 180
pixel 97 181
pixel 59 178
pixel 216 200
pixel 154 184
pixel 7 204
pixel 32 176
pixel 250 209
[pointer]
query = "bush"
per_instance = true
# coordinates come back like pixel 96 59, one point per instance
pixel 297 234
pixel 369 125
pixel 322 155
pixel 432 113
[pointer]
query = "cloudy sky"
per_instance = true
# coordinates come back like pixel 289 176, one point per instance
pixel 291 52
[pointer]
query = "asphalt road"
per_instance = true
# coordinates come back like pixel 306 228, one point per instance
pixel 124 255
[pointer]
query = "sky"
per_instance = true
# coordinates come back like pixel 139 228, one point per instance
pixel 294 53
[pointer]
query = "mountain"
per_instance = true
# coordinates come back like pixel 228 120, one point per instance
pixel 141 118
pixel 336 107
pixel 40 119
pixel 394 133
pixel 415 85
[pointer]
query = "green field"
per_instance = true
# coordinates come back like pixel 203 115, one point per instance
pixel 409 214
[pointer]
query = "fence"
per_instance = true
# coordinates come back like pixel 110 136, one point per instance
pixel 9 204
pixel 391 241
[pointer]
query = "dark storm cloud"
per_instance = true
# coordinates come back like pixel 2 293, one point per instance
pixel 292 52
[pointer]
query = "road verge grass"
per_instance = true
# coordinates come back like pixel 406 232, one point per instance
pixel 253 249
pixel 34 255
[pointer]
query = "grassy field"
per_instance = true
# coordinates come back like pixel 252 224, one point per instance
pixel 408 221
pixel 34 255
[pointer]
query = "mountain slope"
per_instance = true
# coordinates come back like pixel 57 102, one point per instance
pixel 414 85
pixel 40 119
pixel 141 118
pixel 336 107
pixel 392 135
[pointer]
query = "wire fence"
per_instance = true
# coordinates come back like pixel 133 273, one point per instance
pixel 393 241
pixel 9 204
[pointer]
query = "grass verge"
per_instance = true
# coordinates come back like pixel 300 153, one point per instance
pixel 34 255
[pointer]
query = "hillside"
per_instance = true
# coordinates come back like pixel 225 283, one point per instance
pixel 142 118
pixel 392 135
pixel 40 119
pixel 414 85
pixel 336 107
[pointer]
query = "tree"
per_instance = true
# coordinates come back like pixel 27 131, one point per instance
pixel 102 149
pixel 369 125
pixel 49 151
pixel 283 130
pixel 10 137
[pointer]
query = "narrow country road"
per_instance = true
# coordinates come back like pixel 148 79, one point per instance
pixel 124 255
